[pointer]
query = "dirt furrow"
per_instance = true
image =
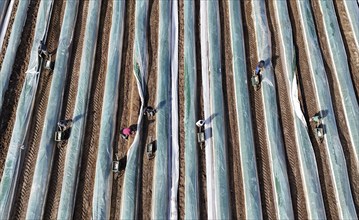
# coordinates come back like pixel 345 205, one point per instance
pixel 92 132
pixel 352 167
pixel 287 121
pixel 127 82
pixel 54 191
pixel 8 31
pixel 353 58
pixel 181 82
pixel 150 125
pixel 310 108
pixel 36 124
pixel 263 164
pixel 235 173
pixel 8 112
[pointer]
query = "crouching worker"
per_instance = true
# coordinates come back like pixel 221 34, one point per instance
pixel 256 77
pixel 126 132
pixel 319 127
pixel 149 111
pixel 63 130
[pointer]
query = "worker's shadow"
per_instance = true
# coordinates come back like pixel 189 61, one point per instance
pixel 77 117
pixel 323 113
pixel 208 131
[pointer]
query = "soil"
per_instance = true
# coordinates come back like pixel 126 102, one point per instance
pixel 129 106
pixel 235 171
pixel 287 121
pixel 8 31
pixel 310 108
pixel 89 153
pixel 263 163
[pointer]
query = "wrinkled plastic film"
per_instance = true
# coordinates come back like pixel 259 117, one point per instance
pixel 352 10
pixel 192 208
pixel 47 146
pixel 14 42
pixel 306 157
pixel 3 8
pixel 278 166
pixel 161 178
pixel 220 171
pixel 5 18
pixel 17 148
pixel 211 211
pixel 342 74
pixel 103 177
pixel 130 193
pixel 252 200
pixel 174 156
pixel 333 147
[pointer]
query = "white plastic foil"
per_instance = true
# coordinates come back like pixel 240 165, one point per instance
pixel 336 160
pixel 276 151
pixel 103 177
pixel 252 200
pixel 306 157
pixel 192 207
pixel 5 10
pixel 24 110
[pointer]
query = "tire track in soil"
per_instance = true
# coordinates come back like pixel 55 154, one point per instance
pixel 353 58
pixel 12 95
pixel 235 173
pixel 92 131
pixel 310 108
pixel 127 83
pixel 202 175
pixel 352 167
pixel 37 121
pixel 181 104
pixel 8 31
pixel 263 164
pixel 349 43
pixel 55 185
pixel 150 125
pixel 287 121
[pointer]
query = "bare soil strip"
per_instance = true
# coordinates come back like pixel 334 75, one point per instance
pixel 89 153
pixel 150 125
pixel 35 128
pixel 235 172
pixel 263 164
pixel 181 104
pixel 8 113
pixel 54 191
pixel 353 58
pixel 310 108
pixel 349 43
pixel 202 184
pixel 127 82
pixel 8 31
pixel 286 120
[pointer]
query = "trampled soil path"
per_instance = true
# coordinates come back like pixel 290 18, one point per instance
pixel 38 115
pixel 124 113
pixel 235 172
pixel 54 191
pixel 150 125
pixel 12 95
pixel 263 165
pixel 181 82
pixel 310 108
pixel 92 132
pixel 286 120
pixel 352 167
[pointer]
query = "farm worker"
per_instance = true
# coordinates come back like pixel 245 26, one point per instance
pixel 259 67
pixel 63 125
pixel 125 132
pixel 316 118
pixel 42 50
pixel 149 111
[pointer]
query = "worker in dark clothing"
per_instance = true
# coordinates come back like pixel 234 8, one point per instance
pixel 259 67
pixel 149 111
pixel 63 125
pixel 42 50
